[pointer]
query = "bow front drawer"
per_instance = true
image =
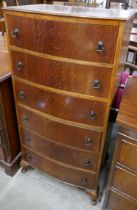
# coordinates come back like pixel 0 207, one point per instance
pixel 61 106
pixel 59 152
pixel 81 178
pixel 82 41
pixel 58 132
pixel 84 79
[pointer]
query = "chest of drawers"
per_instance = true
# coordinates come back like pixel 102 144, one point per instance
pixel 122 186
pixel 9 138
pixel 65 75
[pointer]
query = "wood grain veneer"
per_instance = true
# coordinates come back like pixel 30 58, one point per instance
pixel 62 53
pixel 122 185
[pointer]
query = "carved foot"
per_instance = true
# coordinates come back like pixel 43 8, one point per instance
pixel 24 166
pixel 93 195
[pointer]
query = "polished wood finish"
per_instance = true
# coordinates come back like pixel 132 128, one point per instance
pixel 64 107
pixel 122 186
pixel 53 150
pixel 117 200
pixel 55 58
pixel 81 178
pixel 9 138
pixel 58 131
pixel 126 117
pixel 62 75
pixel 67 38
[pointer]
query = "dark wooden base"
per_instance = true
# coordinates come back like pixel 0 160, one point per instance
pixel 11 168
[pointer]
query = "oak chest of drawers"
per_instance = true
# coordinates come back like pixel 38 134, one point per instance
pixel 122 186
pixel 64 62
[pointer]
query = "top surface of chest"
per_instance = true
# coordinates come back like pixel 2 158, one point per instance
pixel 75 11
pixel 128 108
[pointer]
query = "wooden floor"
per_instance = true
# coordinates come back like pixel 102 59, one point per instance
pixel 4 58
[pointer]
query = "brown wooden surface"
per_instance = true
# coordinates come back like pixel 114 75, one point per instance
pixel 64 107
pixel 10 145
pixel 59 132
pixel 64 39
pixel 128 154
pixel 74 43
pixel 62 75
pixel 128 108
pixel 125 182
pixel 60 171
pixel 4 59
pixel 10 137
pixel 118 201
pixel 59 152
pixel 123 174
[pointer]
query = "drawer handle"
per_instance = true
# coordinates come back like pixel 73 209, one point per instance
pixel 24 119
pixel 87 163
pixel 96 84
pixel 84 180
pixel 28 157
pixel 19 66
pixel 27 140
pixel 100 47
pixel 21 94
pixel 15 33
pixel 92 115
pixel 88 141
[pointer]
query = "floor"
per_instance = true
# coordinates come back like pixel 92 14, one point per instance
pixel 37 191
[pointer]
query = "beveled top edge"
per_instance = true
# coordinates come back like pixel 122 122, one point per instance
pixel 75 11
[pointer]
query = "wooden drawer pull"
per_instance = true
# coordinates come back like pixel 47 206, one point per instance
pixel 87 163
pixel 100 47
pixel 88 141
pixel 15 33
pixel 84 181
pixel 92 115
pixel 21 94
pixel 19 66
pixel 96 84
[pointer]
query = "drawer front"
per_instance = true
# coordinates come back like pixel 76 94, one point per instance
pixel 66 39
pixel 61 106
pixel 60 152
pixel 128 155
pixel 81 178
pixel 77 78
pixel 118 202
pixel 125 182
pixel 61 133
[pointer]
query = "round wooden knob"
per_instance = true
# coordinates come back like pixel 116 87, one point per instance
pixel 19 66
pixel 15 33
